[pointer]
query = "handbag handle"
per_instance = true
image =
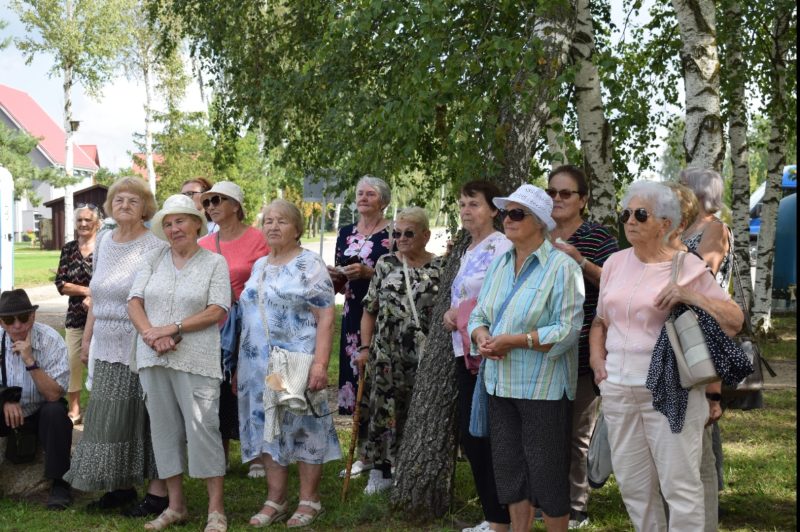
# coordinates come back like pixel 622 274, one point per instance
pixel 737 279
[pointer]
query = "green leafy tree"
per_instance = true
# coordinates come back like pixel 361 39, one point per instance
pixel 84 37
pixel 15 149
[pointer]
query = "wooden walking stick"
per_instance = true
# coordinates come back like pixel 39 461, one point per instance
pixel 354 435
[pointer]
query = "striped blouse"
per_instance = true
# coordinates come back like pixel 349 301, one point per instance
pixel 550 302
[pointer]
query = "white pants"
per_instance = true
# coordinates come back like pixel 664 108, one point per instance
pixel 647 456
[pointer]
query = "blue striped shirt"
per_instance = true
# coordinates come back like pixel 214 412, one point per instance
pixel 550 302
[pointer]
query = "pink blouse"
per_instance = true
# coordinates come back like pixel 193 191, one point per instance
pixel 628 288
pixel 240 254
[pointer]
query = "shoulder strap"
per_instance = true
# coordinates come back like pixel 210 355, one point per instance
pixel 737 279
pixel 3 358
pixel 677 264
pixel 519 282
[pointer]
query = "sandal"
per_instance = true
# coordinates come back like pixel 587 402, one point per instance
pixel 217 522
pixel 168 517
pixel 304 519
pixel 256 471
pixel 262 519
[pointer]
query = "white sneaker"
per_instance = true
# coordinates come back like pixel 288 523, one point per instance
pixel 377 483
pixel 578 523
pixel 356 469
pixel 481 527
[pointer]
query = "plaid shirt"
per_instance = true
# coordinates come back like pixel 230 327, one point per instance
pixel 50 351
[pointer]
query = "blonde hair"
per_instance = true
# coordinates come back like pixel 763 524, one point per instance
pixel 415 215
pixel 690 208
pixel 134 185
pixel 290 210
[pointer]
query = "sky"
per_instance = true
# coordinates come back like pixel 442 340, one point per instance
pixel 109 122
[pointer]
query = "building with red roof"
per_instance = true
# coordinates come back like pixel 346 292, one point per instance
pixel 20 112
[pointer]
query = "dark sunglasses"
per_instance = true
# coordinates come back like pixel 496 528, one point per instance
pixel 213 200
pixel 640 214
pixel 515 215
pixel 90 206
pixel 408 233
pixel 191 193
pixel 564 193
pixel 23 318
pixel 310 404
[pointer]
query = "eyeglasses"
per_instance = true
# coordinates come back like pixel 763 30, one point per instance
pixel 640 214
pixel 213 200
pixel 23 318
pixel 90 206
pixel 564 193
pixel 192 193
pixel 310 404
pixel 408 233
pixel 515 215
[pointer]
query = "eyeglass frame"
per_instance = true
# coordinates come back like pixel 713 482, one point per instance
pixel 397 234
pixel 90 206
pixel 206 203
pixel 503 213
pixel 310 404
pixel 14 317
pixel 191 193
pixel 640 214
pixel 553 193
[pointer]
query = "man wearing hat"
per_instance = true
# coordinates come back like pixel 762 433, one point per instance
pixel 33 356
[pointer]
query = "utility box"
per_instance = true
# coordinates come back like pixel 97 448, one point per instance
pixel 6 230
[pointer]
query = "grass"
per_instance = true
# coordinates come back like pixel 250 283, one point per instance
pixel 783 345
pixel 34 267
pixel 760 493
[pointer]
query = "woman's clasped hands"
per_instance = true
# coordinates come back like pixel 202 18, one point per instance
pixel 160 339
pixel 493 347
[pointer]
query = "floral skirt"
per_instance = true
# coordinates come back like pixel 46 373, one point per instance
pixel 115 451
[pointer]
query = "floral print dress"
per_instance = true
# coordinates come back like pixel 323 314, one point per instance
pixel 290 292
pixel 351 245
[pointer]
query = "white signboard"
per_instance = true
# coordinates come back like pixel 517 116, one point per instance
pixel 6 230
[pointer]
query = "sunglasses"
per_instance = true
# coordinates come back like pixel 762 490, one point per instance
pixel 213 200
pixel 192 193
pixel 310 404
pixel 90 206
pixel 640 214
pixel 564 193
pixel 408 233
pixel 515 215
pixel 23 318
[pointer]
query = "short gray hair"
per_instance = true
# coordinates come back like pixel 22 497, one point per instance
pixel 288 209
pixel 95 212
pixel 663 200
pixel 706 184
pixel 542 225
pixel 415 215
pixel 384 192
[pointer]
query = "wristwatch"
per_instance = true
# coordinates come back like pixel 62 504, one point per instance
pixel 179 325
pixel 529 339
pixel 716 397
pixel 582 263
pixel 33 366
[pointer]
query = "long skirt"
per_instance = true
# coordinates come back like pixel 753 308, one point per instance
pixel 115 451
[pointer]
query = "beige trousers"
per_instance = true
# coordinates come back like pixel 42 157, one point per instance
pixel 73 338
pixel 647 456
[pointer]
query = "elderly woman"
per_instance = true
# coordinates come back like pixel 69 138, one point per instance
pixel 193 189
pixel 115 452
pixel 358 248
pixel 242 246
pixel 397 311
pixel 286 303
pixel 72 279
pixel 179 295
pixel 478 215
pixel 526 326
pixel 636 296
pixel 589 244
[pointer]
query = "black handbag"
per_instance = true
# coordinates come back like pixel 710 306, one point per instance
pixel 747 394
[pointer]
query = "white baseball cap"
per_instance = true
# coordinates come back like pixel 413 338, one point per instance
pixel 534 199
pixel 177 204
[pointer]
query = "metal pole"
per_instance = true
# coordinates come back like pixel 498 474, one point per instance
pixel 322 224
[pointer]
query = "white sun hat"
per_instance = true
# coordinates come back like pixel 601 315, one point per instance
pixel 177 204
pixel 226 188
pixel 534 199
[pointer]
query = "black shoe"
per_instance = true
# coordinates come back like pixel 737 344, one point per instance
pixel 60 496
pixel 112 499
pixel 151 505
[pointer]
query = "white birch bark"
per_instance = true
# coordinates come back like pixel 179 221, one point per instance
pixel 594 129
pixel 148 126
pixel 554 129
pixel 702 141
pixel 737 133
pixel 69 189
pixel 776 158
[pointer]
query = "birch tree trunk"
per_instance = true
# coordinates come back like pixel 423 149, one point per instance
pixel 593 127
pixel 702 141
pixel 69 189
pixel 426 458
pixel 148 125
pixel 554 130
pixel 737 133
pixel 776 158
